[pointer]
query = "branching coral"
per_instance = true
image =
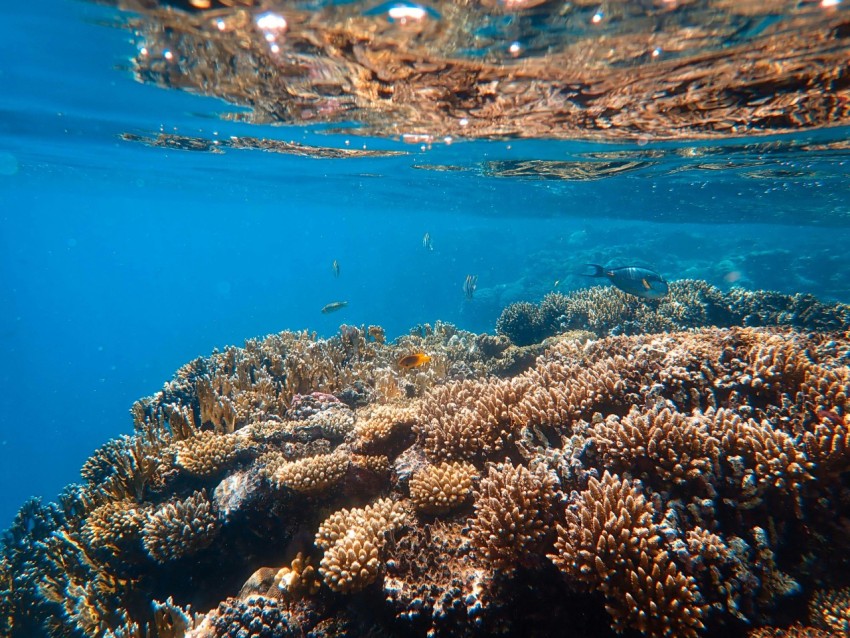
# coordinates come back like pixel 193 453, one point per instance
pixel 256 616
pixel 375 427
pixel 689 304
pixel 353 540
pixel 611 543
pixel 437 489
pixel 208 453
pixel 660 443
pixel 311 475
pixel 180 528
pixel 727 489
pixel 514 511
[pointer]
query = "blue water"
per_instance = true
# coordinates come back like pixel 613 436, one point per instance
pixel 120 262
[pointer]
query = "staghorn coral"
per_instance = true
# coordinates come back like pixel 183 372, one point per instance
pixel 612 544
pixel 180 528
pixel 514 511
pixel 438 489
pixel 353 540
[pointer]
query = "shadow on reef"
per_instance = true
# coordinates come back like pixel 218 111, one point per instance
pixel 622 476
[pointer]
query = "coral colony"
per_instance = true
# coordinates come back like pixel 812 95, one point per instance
pixel 663 468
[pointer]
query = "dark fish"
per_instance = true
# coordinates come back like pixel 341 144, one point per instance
pixel 335 267
pixel 639 282
pixel 334 306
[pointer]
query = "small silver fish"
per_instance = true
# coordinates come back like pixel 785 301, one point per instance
pixel 426 242
pixel 636 281
pixel 335 268
pixel 334 306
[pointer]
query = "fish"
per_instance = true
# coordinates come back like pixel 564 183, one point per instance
pixel 640 282
pixel 334 306
pixel 414 360
pixel 335 268
pixel 426 242
pixel 470 285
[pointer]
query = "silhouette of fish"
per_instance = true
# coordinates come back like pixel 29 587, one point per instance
pixel 334 306
pixel 640 282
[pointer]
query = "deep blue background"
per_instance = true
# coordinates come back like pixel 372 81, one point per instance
pixel 119 262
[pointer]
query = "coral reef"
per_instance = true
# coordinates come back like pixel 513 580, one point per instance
pixel 689 304
pixel 612 543
pixel 691 483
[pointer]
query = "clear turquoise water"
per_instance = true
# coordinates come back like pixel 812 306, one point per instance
pixel 120 262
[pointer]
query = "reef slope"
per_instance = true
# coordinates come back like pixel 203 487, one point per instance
pixel 667 482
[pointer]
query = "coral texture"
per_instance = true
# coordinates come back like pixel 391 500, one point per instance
pixel 611 543
pixel 437 489
pixel 180 528
pixel 687 484
pixel 353 540
pixel 514 512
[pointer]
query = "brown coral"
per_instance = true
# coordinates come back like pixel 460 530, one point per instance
pixel 612 544
pixel 794 631
pixel 376 426
pixel 180 528
pixel 437 489
pixel 311 475
pixel 114 528
pixel 207 453
pixel 514 511
pixel 659 443
pixel 353 540
pixel 830 609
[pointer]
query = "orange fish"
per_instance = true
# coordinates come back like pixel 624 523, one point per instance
pixel 414 360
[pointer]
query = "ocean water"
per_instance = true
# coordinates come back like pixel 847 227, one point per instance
pixel 120 261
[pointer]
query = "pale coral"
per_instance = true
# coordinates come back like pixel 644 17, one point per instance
pixel 311 475
pixel 437 489
pixel 353 540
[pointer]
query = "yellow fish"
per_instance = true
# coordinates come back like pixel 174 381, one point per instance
pixel 414 360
